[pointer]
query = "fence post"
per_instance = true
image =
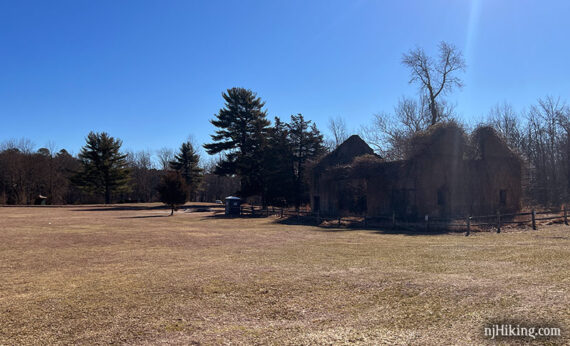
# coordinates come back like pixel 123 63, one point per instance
pixel 281 212
pixel 468 226
pixel 365 223
pixel 339 221
pixel 318 217
pixel 394 219
pixel 533 219
pixel 298 214
pixel 252 210
pixel 240 210
pixel 426 218
pixel 565 216
pixel 498 221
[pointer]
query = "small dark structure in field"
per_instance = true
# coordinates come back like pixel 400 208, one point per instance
pixel 233 205
pixel 446 173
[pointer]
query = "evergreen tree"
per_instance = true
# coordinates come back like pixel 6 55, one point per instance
pixel 280 180
pixel 103 166
pixel 186 163
pixel 307 144
pixel 242 129
pixel 173 190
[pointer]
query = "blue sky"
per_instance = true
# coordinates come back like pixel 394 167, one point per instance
pixel 152 72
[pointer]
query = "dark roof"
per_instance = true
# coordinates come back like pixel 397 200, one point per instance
pixel 345 153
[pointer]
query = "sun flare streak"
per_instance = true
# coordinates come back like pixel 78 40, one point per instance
pixel 472 28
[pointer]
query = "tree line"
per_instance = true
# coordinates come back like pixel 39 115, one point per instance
pixel 265 163
pixel 269 162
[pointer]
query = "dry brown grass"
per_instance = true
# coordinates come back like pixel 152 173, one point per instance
pixel 74 275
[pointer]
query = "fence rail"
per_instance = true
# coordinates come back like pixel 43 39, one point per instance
pixel 466 223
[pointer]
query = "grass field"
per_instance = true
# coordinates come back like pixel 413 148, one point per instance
pixel 96 275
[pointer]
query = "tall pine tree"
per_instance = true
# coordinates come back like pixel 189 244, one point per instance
pixel 306 143
pixel 241 137
pixel 280 178
pixel 103 167
pixel 186 163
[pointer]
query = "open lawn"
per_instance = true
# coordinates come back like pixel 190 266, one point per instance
pixel 97 275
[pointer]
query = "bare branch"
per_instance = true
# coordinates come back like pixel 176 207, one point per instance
pixel 337 127
pixel 435 79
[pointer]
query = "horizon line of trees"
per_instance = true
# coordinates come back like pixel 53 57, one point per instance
pixel 270 163
pixel 255 160
pixel 100 173
pixel 277 172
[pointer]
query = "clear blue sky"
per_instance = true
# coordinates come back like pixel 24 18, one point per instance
pixel 152 72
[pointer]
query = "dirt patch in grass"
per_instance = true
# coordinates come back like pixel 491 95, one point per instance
pixel 122 275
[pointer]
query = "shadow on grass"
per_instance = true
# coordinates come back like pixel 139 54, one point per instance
pixel 222 215
pixel 143 217
pixel 378 228
pixel 144 207
pixel 345 226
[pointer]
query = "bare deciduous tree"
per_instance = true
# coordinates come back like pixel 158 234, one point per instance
pixel 24 145
pixel 144 176
pixel 389 134
pixel 435 78
pixel 507 123
pixel 338 130
pixel 545 144
pixel 165 155
pixel 216 187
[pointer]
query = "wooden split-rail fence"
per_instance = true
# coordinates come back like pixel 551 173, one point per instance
pixel 468 224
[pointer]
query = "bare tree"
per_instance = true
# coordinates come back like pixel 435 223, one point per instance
pixel 545 144
pixel 165 155
pixel 216 187
pixel 413 116
pixel 389 134
pixel 435 78
pixel 337 127
pixel 506 122
pixel 384 136
pixel 24 145
pixel 144 176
